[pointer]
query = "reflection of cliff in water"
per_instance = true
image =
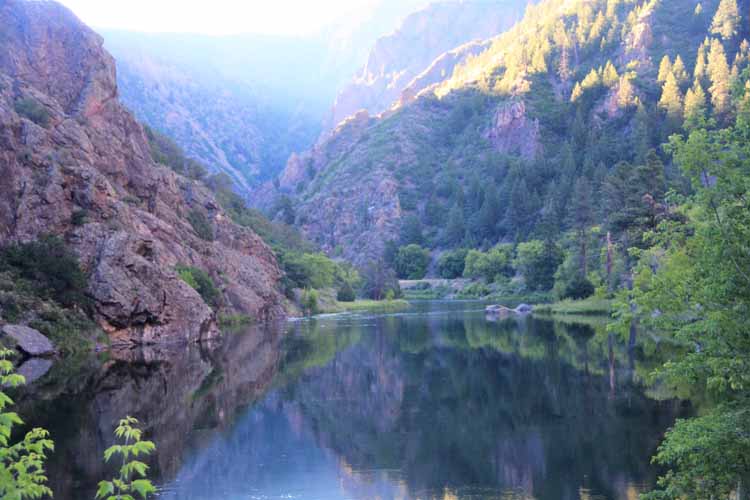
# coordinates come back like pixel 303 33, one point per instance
pixel 182 396
pixel 403 407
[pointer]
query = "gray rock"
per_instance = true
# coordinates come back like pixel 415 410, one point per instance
pixel 29 340
pixel 524 309
pixel 34 369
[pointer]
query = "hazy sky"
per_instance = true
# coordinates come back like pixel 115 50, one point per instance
pixel 216 16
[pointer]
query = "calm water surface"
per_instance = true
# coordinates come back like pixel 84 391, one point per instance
pixel 434 403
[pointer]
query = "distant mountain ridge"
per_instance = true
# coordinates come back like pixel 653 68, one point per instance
pixel 242 104
pixel 397 60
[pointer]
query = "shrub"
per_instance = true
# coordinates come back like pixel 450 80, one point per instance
pixel 412 262
pixel 201 282
pixel 451 264
pixel 346 293
pixel 490 265
pixel 308 270
pixel 578 288
pixel 201 225
pixel 310 302
pixel 474 291
pixel 79 217
pixel 538 261
pixel 51 269
pixel 30 108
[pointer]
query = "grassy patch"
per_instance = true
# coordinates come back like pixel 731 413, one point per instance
pixel 233 321
pixel 33 110
pixel 365 305
pixel 590 306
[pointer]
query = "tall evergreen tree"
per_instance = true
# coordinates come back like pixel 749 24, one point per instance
pixel 700 71
pixel 671 98
pixel 726 20
pixel 610 76
pixel 665 68
pixel 581 216
pixel 489 214
pixel 695 106
pixel 679 72
pixel 455 231
pixel 718 72
pixel 625 92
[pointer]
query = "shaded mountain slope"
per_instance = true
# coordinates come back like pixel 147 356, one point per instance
pixel 75 163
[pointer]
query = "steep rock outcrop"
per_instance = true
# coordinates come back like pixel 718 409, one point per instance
pixel 513 132
pixel 400 57
pixel 75 163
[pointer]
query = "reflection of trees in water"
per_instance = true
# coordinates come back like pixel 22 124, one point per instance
pixel 528 404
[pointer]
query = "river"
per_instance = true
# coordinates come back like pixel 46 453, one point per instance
pixel 435 402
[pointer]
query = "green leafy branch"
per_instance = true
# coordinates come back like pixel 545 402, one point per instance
pixel 132 479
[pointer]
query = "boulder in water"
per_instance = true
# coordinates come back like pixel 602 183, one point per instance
pixel 28 340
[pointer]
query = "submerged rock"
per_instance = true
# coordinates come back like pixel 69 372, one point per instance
pixel 497 309
pixel 28 340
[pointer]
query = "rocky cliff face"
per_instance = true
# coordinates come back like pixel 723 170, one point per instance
pixel 75 163
pixel 402 56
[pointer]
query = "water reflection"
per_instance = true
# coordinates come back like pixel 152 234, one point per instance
pixel 437 403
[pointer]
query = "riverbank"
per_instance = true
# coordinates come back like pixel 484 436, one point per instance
pixel 587 307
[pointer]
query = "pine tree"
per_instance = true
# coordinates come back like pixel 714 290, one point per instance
pixel 718 72
pixel 625 92
pixel 695 106
pixel 671 98
pixel 577 92
pixel 593 79
pixel 679 72
pixel 581 216
pixel 665 68
pixel 726 20
pixel 489 214
pixel 455 229
pixel 699 73
pixel 610 76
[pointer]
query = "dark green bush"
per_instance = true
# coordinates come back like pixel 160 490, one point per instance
pixel 51 269
pixel 202 283
pixel 451 264
pixel 578 288
pixel 201 225
pixel 79 217
pixel 412 262
pixel 33 110
pixel 346 293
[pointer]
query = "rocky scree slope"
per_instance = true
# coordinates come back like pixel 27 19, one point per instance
pixel 75 163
